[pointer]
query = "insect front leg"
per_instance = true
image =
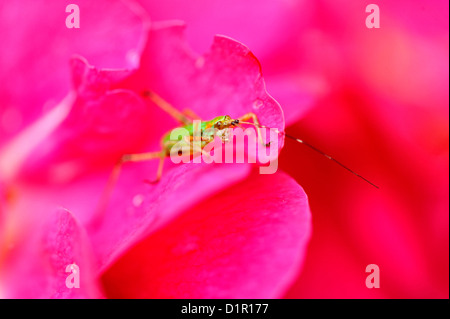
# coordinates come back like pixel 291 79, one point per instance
pixel 186 117
pixel 255 120
pixel 196 149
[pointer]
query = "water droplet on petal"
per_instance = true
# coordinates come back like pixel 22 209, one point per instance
pixel 137 200
pixel 257 104
pixel 200 62
pixel 133 57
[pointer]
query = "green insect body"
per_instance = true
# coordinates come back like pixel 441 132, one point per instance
pixel 204 132
pixel 188 134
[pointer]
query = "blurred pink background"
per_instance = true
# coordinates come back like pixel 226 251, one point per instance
pixel 375 99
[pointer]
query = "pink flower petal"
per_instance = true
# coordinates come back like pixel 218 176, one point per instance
pixel 246 242
pixel 226 80
pixel 137 209
pixel 274 30
pixel 34 62
pixel 103 123
pixel 36 262
pixel 273 21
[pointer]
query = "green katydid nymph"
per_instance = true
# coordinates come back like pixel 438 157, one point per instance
pixel 217 127
pixel 209 130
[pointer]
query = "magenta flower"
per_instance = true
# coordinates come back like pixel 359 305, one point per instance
pixel 205 230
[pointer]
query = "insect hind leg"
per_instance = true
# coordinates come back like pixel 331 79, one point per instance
pixel 181 117
pixel 114 176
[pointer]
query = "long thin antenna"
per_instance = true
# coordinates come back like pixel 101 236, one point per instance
pixel 315 149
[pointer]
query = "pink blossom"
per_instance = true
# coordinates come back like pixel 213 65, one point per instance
pixel 28 55
pixel 62 155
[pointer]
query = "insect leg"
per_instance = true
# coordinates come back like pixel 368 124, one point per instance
pixel 140 157
pixel 146 157
pixel 162 156
pixel 255 120
pixel 196 149
pixel 112 180
pixel 199 150
pixel 191 114
pixel 167 107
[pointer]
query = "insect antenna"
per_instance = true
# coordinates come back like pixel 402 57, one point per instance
pixel 313 148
